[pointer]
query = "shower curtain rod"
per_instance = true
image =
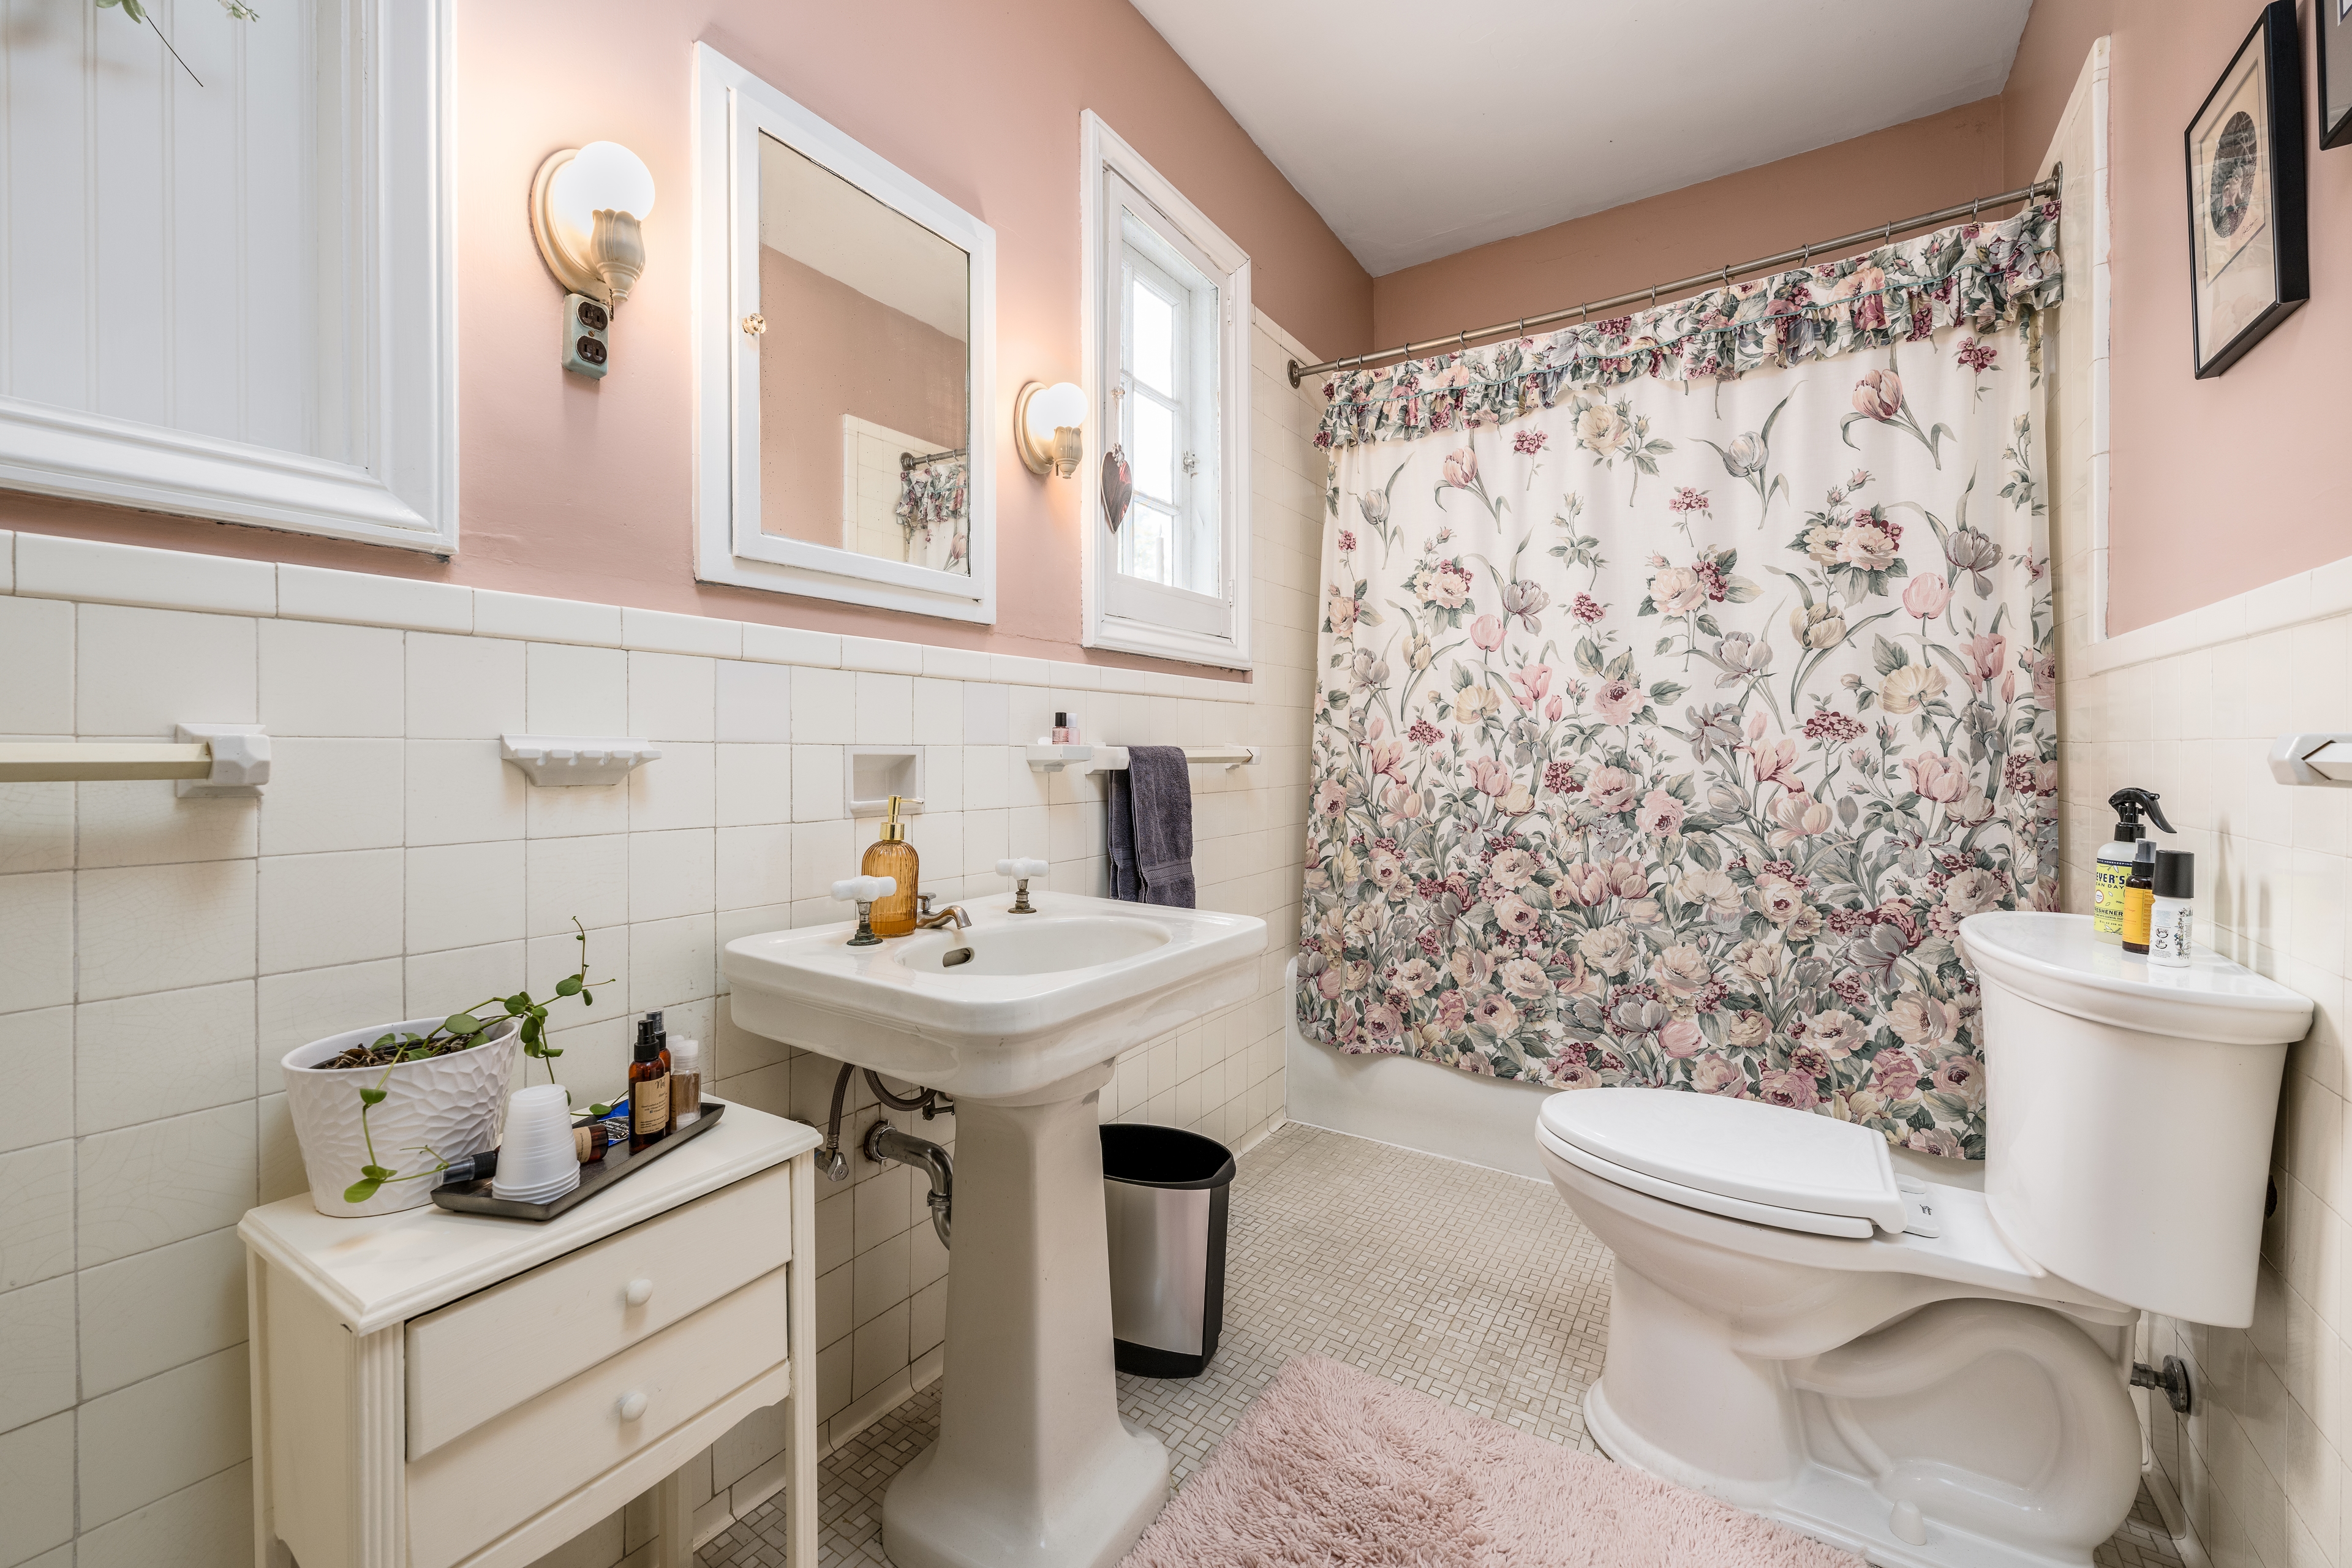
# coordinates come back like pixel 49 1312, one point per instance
pixel 1724 275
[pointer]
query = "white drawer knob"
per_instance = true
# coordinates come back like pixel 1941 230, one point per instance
pixel 639 1293
pixel 633 1405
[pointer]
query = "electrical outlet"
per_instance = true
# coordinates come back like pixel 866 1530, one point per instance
pixel 585 345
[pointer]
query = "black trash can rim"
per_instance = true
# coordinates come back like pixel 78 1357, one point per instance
pixel 1133 1150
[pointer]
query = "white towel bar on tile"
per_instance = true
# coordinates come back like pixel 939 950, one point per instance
pixel 1113 758
pixel 206 759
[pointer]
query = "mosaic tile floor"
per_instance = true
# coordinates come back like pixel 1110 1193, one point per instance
pixel 1477 1287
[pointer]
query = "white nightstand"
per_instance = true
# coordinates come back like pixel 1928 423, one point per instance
pixel 435 1390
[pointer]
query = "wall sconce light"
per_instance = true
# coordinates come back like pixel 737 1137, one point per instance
pixel 1045 425
pixel 587 206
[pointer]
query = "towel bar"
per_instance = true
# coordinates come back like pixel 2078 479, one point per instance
pixel 206 759
pixel 1113 758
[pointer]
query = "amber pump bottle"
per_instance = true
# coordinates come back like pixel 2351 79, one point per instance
pixel 892 856
pixel 648 1085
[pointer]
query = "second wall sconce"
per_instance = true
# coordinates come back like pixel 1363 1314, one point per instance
pixel 1046 421
pixel 587 208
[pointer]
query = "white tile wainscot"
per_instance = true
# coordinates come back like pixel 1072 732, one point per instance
pixel 432 1390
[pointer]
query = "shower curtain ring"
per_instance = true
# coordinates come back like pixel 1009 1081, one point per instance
pixel 1654 296
pixel 1976 211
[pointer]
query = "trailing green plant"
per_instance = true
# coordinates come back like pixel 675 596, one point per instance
pixel 459 1031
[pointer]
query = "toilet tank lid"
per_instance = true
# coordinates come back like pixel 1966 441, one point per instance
pixel 1734 1148
pixel 2053 959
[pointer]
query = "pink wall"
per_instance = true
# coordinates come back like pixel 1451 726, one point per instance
pixel 582 490
pixel 1950 157
pixel 831 351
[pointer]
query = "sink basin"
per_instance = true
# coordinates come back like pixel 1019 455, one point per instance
pixel 1041 997
pixel 1018 1017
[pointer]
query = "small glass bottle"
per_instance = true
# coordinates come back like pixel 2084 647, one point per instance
pixel 2139 894
pixel 648 1085
pixel 2172 912
pixel 685 1082
pixel 892 856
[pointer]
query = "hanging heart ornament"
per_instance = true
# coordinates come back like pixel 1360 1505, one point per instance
pixel 1118 487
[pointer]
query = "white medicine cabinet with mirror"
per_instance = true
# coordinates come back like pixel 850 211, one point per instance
pixel 1167 316
pixel 845 334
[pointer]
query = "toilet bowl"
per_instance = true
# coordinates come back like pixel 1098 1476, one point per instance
pixel 1922 1360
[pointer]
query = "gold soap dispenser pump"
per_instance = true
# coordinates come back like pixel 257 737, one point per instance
pixel 892 856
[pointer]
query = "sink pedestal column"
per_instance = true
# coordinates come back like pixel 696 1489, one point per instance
pixel 1033 1468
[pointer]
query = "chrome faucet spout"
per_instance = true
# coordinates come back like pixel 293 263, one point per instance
pixel 953 912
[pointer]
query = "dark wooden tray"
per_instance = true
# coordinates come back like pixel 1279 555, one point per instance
pixel 475 1197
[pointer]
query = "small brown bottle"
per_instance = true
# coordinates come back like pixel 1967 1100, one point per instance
pixel 2140 897
pixel 648 1085
pixel 892 856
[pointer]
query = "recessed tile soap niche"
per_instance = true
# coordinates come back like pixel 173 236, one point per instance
pixel 870 775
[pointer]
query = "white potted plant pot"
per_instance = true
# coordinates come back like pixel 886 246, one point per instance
pixel 449 1104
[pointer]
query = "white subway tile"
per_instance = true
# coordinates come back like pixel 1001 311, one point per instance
pixel 37 1492
pixel 293 1009
pixel 671 874
pixel 986 714
pixel 464 895
pixel 559 812
pixel 754 785
pixel 207 1525
pixel 672 962
pixel 463 792
pixel 37 1223
pixel 161 928
pixel 464 687
pixel 754 702
pixel 136 1059
pixel 824 707
pixel 326 795
pixel 159 1309
pixel 371 598
pixel 584 879
pixel 163 1182
pixel 885 709
pixel 37 650
pixel 955 664
pixel 817 785
pixel 54 567
pixel 37 1062
pixel 660 631
pixel 755 867
pixel 145 1442
pixel 678 789
pixel 577 690
pixel 823 854
pixel 441 983
pixel 535 619
pixel 789 645
pixel 671 698
pixel 1072 676
pixel 318 678
pixel 548 959
pixel 881 656
pixel 36 1335
pixel 1007 669
pixel 143 822
pixel 39 834
pixel 316 911
pixel 141 672
pixel 938 712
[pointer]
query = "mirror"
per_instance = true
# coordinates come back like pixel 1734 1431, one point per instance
pixel 865 371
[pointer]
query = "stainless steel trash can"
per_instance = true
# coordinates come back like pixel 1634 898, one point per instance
pixel 1165 1192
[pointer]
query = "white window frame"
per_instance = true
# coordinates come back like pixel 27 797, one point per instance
pixel 1108 607
pixel 397 60
pixel 732 109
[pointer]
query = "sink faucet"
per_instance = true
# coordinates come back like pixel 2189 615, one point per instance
pixel 927 921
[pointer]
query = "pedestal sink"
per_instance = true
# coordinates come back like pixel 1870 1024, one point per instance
pixel 1018 1019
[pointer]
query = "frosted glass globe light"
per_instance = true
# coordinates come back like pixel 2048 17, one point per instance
pixel 601 176
pixel 1062 406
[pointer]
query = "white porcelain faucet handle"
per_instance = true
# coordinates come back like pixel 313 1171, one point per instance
pixel 864 889
pixel 1022 867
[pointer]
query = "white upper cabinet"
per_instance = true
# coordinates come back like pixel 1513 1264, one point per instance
pixel 225 287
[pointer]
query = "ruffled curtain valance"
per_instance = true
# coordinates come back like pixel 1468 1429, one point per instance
pixel 1985 276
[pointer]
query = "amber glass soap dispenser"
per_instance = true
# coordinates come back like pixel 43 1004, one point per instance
pixel 892 856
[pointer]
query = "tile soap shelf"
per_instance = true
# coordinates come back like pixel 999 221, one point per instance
pixel 1051 759
pixel 570 761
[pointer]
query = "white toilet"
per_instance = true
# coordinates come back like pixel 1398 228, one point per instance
pixel 1885 1350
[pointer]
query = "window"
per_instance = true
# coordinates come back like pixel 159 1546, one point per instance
pixel 1167 368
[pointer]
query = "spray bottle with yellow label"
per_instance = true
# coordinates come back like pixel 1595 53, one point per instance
pixel 2115 864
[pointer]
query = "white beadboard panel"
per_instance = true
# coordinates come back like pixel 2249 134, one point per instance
pixel 137 1059
pixel 365 598
pixel 145 1442
pixel 161 1182
pixel 161 1308
pixel 96 572
pixel 139 672
pixel 532 618
pixel 158 928
pixel 326 680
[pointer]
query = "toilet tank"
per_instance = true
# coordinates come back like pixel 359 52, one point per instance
pixel 2128 1111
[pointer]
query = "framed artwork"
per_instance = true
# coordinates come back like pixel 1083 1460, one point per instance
pixel 2335 47
pixel 2248 253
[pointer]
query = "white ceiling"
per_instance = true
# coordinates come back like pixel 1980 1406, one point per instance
pixel 1418 129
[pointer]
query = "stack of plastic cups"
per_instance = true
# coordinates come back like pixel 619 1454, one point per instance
pixel 537 1163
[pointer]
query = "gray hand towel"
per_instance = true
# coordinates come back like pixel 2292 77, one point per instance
pixel 1159 809
pixel 1119 801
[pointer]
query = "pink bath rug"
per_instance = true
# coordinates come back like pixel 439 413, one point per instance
pixel 1333 1465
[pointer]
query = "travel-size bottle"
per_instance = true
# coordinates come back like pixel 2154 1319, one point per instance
pixel 2172 912
pixel 685 1082
pixel 892 856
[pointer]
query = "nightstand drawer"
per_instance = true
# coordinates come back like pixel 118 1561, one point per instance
pixel 475 1488
pixel 475 1359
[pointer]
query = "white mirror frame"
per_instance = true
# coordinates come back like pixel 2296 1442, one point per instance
pixel 732 109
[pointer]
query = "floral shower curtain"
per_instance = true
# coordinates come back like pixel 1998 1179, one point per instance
pixel 932 515
pixel 1687 679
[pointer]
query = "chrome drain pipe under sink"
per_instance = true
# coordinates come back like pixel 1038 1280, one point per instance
pixel 886 1143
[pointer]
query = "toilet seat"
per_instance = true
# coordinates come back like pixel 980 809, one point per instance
pixel 1738 1157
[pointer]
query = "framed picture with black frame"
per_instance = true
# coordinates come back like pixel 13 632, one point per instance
pixel 2249 245
pixel 2335 45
